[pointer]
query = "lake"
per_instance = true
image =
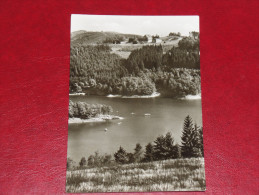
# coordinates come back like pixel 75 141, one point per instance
pixel 167 115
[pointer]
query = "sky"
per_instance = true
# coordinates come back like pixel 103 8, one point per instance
pixel 151 25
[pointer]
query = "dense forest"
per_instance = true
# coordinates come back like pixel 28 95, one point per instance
pixel 181 58
pixel 175 73
pixel 148 57
pixel 163 148
pixel 85 111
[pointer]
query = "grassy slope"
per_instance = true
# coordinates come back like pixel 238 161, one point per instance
pixel 168 175
pixel 76 33
pixel 123 50
pixel 87 37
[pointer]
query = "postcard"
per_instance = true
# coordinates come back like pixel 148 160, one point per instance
pixel 135 118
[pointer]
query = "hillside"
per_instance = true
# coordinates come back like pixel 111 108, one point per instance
pixel 94 70
pixel 123 65
pixel 167 175
pixel 87 37
pixel 73 34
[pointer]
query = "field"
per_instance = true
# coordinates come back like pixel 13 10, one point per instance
pixel 168 175
pixel 124 49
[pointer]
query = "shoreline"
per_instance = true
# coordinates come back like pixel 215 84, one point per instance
pixel 153 95
pixel 192 97
pixel 101 118
pixel 74 94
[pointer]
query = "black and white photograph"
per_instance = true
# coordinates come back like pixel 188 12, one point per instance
pixel 135 116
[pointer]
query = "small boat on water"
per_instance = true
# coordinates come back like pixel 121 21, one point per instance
pixel 119 123
pixel 132 113
pixel 105 129
pixel 147 114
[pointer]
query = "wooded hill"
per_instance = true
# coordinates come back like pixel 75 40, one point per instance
pixel 95 70
pixel 87 37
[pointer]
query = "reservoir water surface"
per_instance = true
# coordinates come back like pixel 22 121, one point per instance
pixel 166 115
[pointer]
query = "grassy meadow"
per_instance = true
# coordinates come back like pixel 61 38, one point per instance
pixel 167 175
pixel 125 49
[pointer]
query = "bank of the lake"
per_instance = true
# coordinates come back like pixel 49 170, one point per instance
pixel 192 97
pixel 153 95
pixel 100 118
pixel 74 94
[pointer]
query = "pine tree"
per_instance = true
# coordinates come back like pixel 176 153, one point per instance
pixel 70 163
pixel 169 146
pixel 177 151
pixel 160 152
pixel 187 136
pixel 82 162
pixel 121 156
pixel 97 159
pixel 192 145
pixel 201 139
pixel 197 142
pixel 149 153
pixel 90 160
pixel 138 152
pixel 107 159
pixel 131 158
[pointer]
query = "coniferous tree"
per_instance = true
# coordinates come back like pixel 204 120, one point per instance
pixel 121 156
pixel 107 159
pixel 169 146
pixel 198 141
pixel 82 162
pixel 97 159
pixel 138 152
pixel 160 152
pixel 201 140
pixel 90 160
pixel 131 158
pixel 187 149
pixel 149 153
pixel 177 151
pixel 191 141
pixel 70 163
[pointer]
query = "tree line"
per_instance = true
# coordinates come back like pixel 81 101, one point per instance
pixel 147 57
pixel 162 148
pixel 175 34
pixel 152 57
pixel 85 111
pixel 181 58
pixel 178 82
pixel 191 43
